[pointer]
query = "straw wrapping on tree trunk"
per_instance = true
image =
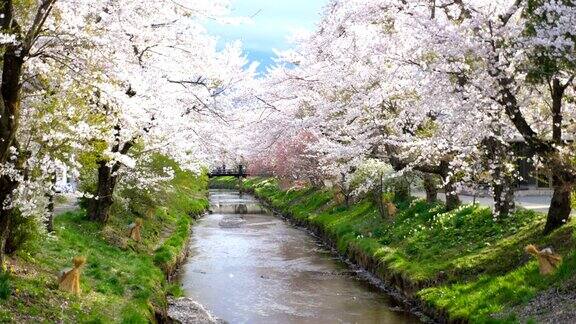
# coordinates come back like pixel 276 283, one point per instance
pixel 69 279
pixel 391 209
pixel 547 260
pixel 135 230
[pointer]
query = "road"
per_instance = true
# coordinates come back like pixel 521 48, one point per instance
pixel 539 203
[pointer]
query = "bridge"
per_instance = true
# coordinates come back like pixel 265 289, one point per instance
pixel 222 171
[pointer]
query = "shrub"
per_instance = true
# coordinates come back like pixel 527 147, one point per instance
pixel 24 232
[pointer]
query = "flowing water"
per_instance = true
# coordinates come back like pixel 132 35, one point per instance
pixel 248 266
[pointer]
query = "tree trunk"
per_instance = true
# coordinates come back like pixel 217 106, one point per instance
pixel 99 208
pixel 346 196
pixel 7 186
pixel 509 197
pixel 50 219
pixel 498 154
pixel 4 229
pixel 430 186
pixel 560 206
pixel 441 171
pixel 9 117
pixel 452 199
pixel 377 193
pixel 10 112
pixel 557 93
pixel 344 189
pixel 503 199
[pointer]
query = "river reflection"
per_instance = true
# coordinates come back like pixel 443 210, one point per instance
pixel 262 270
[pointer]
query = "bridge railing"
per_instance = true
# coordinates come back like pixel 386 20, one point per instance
pixel 240 171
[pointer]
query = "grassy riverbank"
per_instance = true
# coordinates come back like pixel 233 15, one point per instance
pixel 123 280
pixel 461 262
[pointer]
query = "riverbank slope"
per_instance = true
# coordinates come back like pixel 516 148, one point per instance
pixel 123 280
pixel 460 265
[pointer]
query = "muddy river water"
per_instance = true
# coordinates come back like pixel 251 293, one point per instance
pixel 248 266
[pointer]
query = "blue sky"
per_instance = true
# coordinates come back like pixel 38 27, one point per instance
pixel 273 22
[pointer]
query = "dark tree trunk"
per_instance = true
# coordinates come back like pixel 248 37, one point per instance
pixel 503 199
pixel 344 189
pixel 431 187
pixel 557 93
pixel 4 229
pixel 509 197
pixel 7 186
pixel 347 199
pixel 50 219
pixel 346 196
pixel 433 9
pixel 560 206
pixel 441 170
pixel 452 198
pixel 9 117
pixel 377 193
pixel 498 154
pixel 99 208
pixel 562 181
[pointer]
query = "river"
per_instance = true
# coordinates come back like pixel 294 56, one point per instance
pixel 248 266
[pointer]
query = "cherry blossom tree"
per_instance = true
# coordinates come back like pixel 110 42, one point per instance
pixel 439 87
pixel 509 52
pixel 20 31
pixel 121 80
pixel 170 80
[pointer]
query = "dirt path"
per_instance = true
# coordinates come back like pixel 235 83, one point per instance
pixel 551 306
pixel 70 205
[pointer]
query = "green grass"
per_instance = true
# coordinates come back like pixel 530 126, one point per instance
pixel 117 285
pixel 5 289
pixel 224 183
pixel 482 297
pixel 188 200
pixel 462 261
pixel 123 281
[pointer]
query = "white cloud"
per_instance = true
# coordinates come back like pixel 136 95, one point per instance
pixel 273 23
